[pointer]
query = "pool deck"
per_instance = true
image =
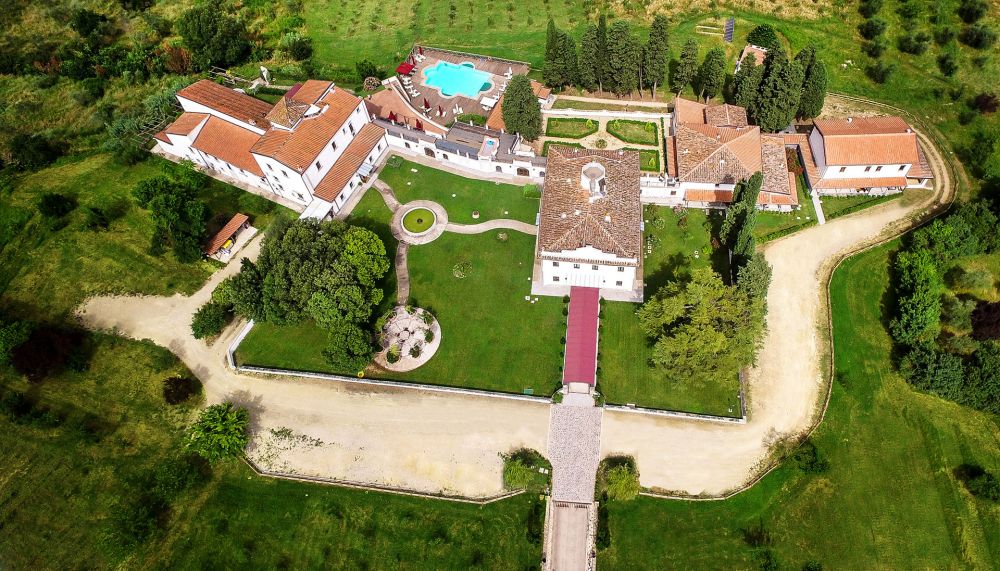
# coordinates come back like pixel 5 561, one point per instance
pixel 496 67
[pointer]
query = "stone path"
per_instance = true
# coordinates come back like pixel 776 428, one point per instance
pixel 574 448
pixel 818 207
pixel 402 274
pixel 499 224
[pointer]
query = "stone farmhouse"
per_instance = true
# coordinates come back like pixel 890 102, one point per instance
pixel 590 224
pixel 314 147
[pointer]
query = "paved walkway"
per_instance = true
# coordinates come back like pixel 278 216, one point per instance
pixel 402 274
pixel 574 449
pixel 818 206
pixel 498 224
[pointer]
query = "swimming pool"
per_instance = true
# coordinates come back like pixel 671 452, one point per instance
pixel 457 79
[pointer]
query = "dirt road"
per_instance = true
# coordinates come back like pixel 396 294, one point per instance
pixel 786 389
pixel 404 438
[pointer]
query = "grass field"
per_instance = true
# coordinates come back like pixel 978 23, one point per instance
pixel 836 206
pixel 601 106
pixel 635 132
pixel 570 127
pixel 625 375
pixel 649 159
pixel 491 199
pixel 889 493
pixel 772 223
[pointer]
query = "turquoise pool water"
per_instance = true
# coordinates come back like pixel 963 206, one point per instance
pixel 457 79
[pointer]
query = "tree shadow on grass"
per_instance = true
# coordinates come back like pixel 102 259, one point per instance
pixel 675 267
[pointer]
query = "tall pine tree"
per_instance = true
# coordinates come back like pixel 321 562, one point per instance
pixel 746 81
pixel 603 62
pixel 623 59
pixel 657 52
pixel 552 71
pixel 741 218
pixel 813 85
pixel 588 69
pixel 712 73
pixel 686 68
pixel 780 90
pixel 571 73
pixel 521 111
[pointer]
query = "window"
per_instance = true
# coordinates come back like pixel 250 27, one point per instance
pixel 593 267
pixel 618 283
pixel 555 264
pixel 902 167
pixel 318 166
pixel 407 145
pixel 868 169
pixel 621 268
pixel 521 171
pixel 499 168
pixel 351 127
pixel 444 157
pixel 576 266
pixel 269 167
pixel 429 151
pixel 843 169
pixel 878 168
pixel 333 145
pixel 555 278
pixel 284 172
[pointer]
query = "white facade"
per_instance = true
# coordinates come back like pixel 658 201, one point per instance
pixel 588 267
pixel 833 171
pixel 428 149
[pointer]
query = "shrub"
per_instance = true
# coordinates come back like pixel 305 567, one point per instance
pixel 914 43
pixel 757 535
pixel 474 118
pixel 986 103
pixel 934 371
pixel 29 152
pixel 957 313
pixel 462 269
pixel 177 390
pixel 220 432
pixel 943 35
pixel 393 354
pixel 970 11
pixel 415 351
pixel 535 524
pixel 55 205
pixel 966 115
pixel 978 36
pixel 516 474
pixel 947 64
pixel 297 46
pixel 872 28
pixel 602 536
pixel 214 37
pixel 89 91
pixel 879 72
pixel 428 335
pixel 209 320
pixel 972 280
pixel 876 47
pixel 869 8
pixel 366 68
pixel 622 483
pixel 985 486
pixel 136 519
pixel 808 459
pixel 531 191
pixel 764 36
pixel 601 144
pixel 349 347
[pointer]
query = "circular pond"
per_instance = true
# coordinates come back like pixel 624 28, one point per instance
pixel 418 221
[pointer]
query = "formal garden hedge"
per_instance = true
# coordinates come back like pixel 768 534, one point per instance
pixel 635 132
pixel 570 127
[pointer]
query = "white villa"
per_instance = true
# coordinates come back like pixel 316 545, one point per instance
pixel 590 224
pixel 875 155
pixel 314 147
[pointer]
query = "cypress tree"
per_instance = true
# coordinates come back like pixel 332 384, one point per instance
pixel 521 111
pixel 571 72
pixel 552 72
pixel 687 67
pixel 602 63
pixel 741 90
pixel 780 90
pixel 623 59
pixel 737 229
pixel 712 74
pixel 588 63
pixel 657 51
pixel 813 86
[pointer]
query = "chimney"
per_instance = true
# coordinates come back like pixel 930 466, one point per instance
pixel 850 119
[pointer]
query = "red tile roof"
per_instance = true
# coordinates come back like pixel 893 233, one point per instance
pixel 758 52
pixel 868 141
pixel 226 233
pixel 229 142
pixel 239 106
pixel 856 183
pixel 300 147
pixel 310 91
pixel 581 336
pixel 185 123
pixel 349 162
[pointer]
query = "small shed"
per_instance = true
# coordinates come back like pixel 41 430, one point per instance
pixel 222 244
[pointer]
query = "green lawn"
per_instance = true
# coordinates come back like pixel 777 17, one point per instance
pixel 649 159
pixel 625 375
pixel 836 206
pixel 492 200
pixel 570 127
pixel 600 106
pixel 635 132
pixel 772 225
pixel 491 337
pixel 889 499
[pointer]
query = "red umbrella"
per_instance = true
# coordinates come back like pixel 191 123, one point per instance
pixel 427 105
pixel 392 117
pixel 419 125
pixel 440 111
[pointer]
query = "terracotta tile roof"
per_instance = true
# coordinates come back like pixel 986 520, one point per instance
pixel 688 111
pixel 540 90
pixel 801 141
pixel 287 112
pixel 389 101
pixel 717 155
pixel 758 52
pixel 708 196
pixel 921 169
pixel 162 136
pixel 186 123
pixel 349 162
pixel 726 115
pixel 827 183
pixel 671 159
pixel 774 165
pixel 229 142
pixel 226 233
pixel 310 91
pixel 571 220
pixel 495 119
pixel 299 148
pixel 868 140
pixel 239 106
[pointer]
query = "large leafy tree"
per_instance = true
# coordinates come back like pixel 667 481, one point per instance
pixel 623 57
pixel 521 111
pixel 687 67
pixel 703 330
pixel 712 73
pixel 918 318
pixel 349 347
pixel 813 84
pixel 172 201
pixel 657 52
pixel 214 37
pixel 589 61
pixel 220 432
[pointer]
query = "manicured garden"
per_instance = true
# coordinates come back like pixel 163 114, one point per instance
pixel 570 127
pixel 649 159
pixel 546 144
pixel 459 196
pixel 635 132
pixel 625 374
pixel 418 220
pixel 889 491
